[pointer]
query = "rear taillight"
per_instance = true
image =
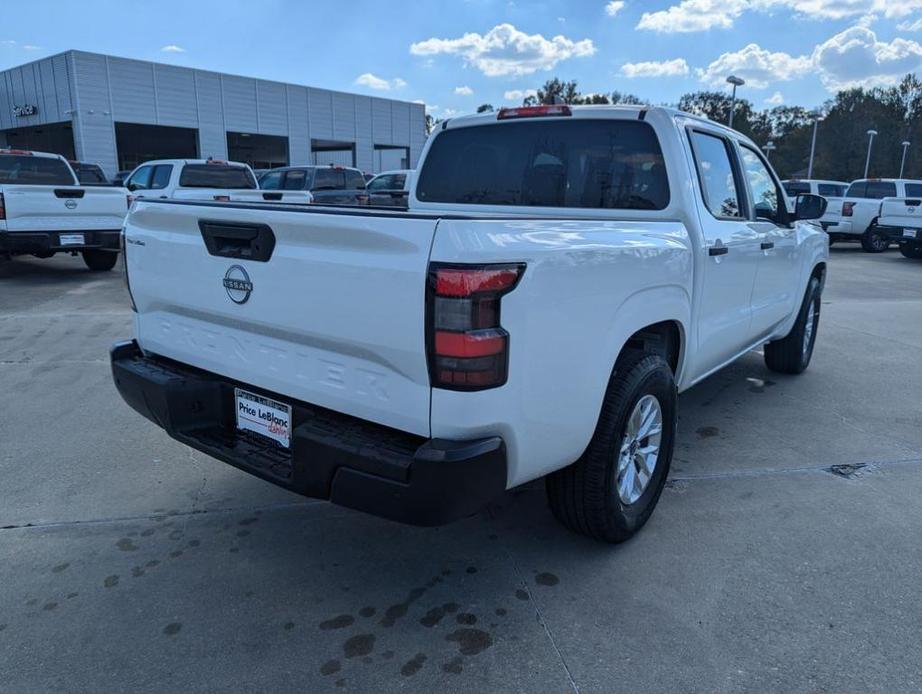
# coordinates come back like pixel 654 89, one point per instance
pixel 847 209
pixel 2 207
pixel 466 346
pixel 534 111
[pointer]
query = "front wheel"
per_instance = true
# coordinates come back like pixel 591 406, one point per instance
pixel 100 261
pixel 872 241
pixel 792 354
pixel 911 252
pixel 610 492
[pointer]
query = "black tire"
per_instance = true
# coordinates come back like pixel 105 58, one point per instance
pixel 911 252
pixel 584 496
pixel 872 241
pixel 100 261
pixel 789 355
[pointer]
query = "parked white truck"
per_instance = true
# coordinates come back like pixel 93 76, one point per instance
pixel 204 179
pixel 900 221
pixel 560 275
pixel 44 210
pixel 861 208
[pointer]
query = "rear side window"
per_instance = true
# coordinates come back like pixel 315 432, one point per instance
pixel 27 169
pixel 216 176
pixel 161 176
pixel 355 180
pixel 914 190
pixel 295 179
pixel 715 173
pixel 794 188
pixel 881 189
pixel 328 179
pixel 830 190
pixel 610 164
pixel 89 173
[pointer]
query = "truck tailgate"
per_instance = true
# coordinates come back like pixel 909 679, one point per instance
pixel 242 195
pixel 334 316
pixel 901 212
pixel 64 208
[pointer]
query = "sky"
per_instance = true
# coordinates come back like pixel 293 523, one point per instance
pixel 455 55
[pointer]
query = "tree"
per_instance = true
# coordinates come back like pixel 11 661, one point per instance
pixel 564 91
pixel 485 108
pixel 625 98
pixel 431 123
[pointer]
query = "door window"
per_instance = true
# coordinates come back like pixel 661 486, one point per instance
pixel 715 175
pixel 354 180
pixel 881 189
pixel 381 183
pixel 140 180
pixel 271 180
pixel 914 190
pixel 765 197
pixel 328 179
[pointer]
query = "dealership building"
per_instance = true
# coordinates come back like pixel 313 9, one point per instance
pixel 118 113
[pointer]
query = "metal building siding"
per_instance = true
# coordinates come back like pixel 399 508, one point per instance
pixel 212 141
pixel 273 116
pixel 364 145
pixel 400 123
pixel 343 116
pixel 381 122
pixel 62 86
pixel 299 136
pixel 94 134
pixel 50 104
pixel 321 113
pixel 418 135
pixel 132 87
pixel 240 114
pixel 176 103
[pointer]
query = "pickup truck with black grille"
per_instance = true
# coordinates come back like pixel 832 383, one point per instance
pixel 45 210
pixel 560 274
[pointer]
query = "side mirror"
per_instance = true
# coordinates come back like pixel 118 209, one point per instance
pixel 809 206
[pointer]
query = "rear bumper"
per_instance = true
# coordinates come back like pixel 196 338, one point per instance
pixel 13 242
pixel 897 234
pixel 349 461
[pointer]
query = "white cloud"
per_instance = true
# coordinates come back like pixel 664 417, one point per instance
pixel 665 68
pixel 463 91
pixel 855 57
pixel 614 7
pixel 173 48
pixel 910 26
pixel 701 15
pixel 759 67
pixel 30 47
pixel 371 81
pixel 504 50
pixel 519 94
pixel 775 99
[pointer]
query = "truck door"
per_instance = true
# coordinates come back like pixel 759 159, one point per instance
pixel 776 289
pixel 730 255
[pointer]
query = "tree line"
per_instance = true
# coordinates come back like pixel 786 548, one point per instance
pixel 841 141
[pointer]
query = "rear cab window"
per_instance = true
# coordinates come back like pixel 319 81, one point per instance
pixel 830 190
pixel 216 176
pixel 874 190
pixel 795 188
pixel 579 163
pixel 914 190
pixel 328 179
pixel 89 173
pixel 31 170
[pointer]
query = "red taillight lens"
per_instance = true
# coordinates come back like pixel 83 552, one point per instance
pixel 2 207
pixel 467 347
pixel 847 209
pixel 534 111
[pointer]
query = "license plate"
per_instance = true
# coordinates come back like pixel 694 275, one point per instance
pixel 263 416
pixel 909 233
pixel 71 239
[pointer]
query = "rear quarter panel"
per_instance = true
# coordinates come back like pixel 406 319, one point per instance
pixel 587 287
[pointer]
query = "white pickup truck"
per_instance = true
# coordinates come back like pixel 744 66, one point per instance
pixel 44 210
pixel 560 275
pixel 861 209
pixel 900 221
pixel 833 191
pixel 204 179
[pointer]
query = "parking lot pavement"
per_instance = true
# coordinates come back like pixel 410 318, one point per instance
pixel 784 554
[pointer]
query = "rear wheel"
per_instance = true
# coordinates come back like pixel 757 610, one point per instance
pixel 792 354
pixel 610 492
pixel 912 252
pixel 873 241
pixel 100 261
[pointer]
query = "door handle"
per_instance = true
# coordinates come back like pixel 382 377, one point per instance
pixel 718 250
pixel 767 245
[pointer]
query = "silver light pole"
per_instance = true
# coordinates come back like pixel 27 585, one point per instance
pixel 867 162
pixel 736 82
pixel 769 147
pixel 817 116
pixel 905 144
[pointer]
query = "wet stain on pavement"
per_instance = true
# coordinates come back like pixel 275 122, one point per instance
pixel 289 626
pixel 414 665
pixel 111 581
pixel 48 606
pixel 367 612
pixel 466 618
pixel 248 521
pixel 172 628
pixel 359 645
pixel 546 579
pixel 500 611
pixel 126 545
pixel 521 594
pixel 60 567
pixel 471 569
pixel 454 666
pixel 395 612
pixel 470 641
pixel 433 617
pixel 340 622
pixel 331 667
pixel 707 432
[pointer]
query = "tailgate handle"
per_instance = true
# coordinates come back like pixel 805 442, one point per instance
pixel 912 203
pixel 238 241
pixel 272 196
pixel 68 193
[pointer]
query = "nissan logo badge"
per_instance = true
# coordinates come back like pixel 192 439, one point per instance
pixel 237 284
pixel 70 204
